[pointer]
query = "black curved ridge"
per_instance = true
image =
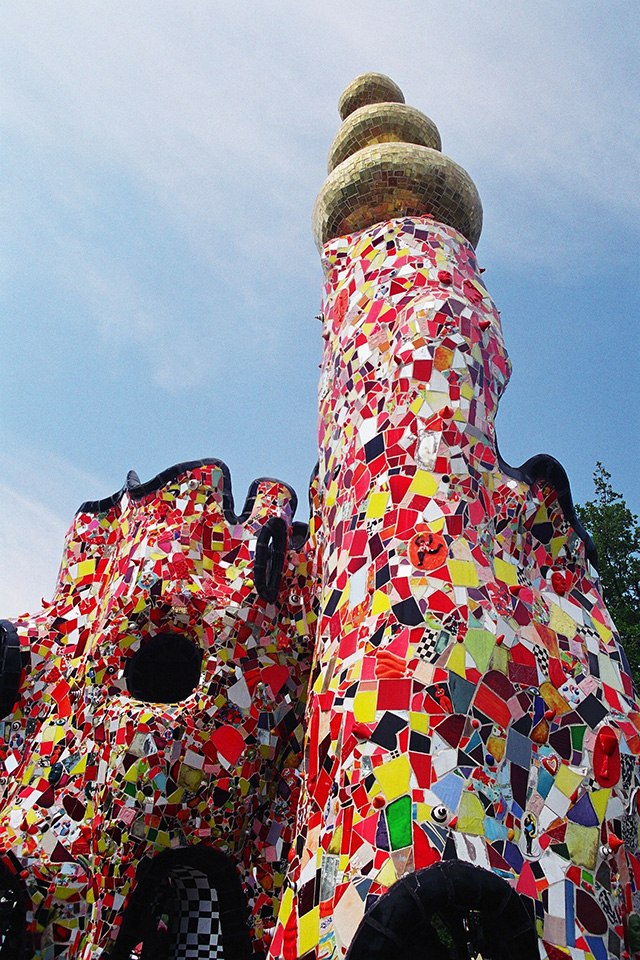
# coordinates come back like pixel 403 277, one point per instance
pixel 138 490
pixel 271 549
pixel 11 667
pixel 541 467
pixel 546 468
pixel 400 924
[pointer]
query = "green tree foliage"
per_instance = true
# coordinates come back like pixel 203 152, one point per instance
pixel 616 533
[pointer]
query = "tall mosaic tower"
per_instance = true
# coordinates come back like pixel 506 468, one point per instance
pixel 471 768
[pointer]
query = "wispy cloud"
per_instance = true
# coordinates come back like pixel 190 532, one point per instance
pixel 39 494
pixel 215 107
pixel 31 539
pixel 220 118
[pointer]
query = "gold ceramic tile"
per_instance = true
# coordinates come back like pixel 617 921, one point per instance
pixel 385 162
pixel 389 180
pixel 368 88
pixel 382 123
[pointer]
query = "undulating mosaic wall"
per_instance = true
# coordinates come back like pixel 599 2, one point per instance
pixel 464 781
pixel 156 740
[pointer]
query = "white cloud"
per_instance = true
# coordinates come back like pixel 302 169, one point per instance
pixel 207 102
pixel 39 475
pixel 220 117
pixel 39 494
pixel 31 541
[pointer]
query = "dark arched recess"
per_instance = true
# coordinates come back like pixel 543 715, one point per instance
pixel 14 942
pixel 222 876
pixel 449 911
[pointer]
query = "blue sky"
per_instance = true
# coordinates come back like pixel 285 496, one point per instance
pixel 158 281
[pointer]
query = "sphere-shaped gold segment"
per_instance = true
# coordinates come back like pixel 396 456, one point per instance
pixel 369 88
pixel 389 180
pixel 382 123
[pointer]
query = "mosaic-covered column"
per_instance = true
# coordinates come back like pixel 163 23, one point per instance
pixel 472 734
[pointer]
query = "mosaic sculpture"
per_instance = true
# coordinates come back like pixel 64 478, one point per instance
pixel 468 782
pixel 151 761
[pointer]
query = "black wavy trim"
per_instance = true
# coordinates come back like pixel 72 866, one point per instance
pixel 546 468
pixel 11 667
pixel 541 467
pixel 271 549
pixel 137 490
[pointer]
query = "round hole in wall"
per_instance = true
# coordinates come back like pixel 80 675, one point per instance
pixel 166 669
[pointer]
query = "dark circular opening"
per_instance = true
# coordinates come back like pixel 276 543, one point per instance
pixel 166 669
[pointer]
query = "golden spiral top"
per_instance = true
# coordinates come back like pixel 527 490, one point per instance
pixel 382 123
pixel 368 88
pixel 385 162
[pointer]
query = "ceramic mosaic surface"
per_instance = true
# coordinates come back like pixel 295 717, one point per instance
pixel 385 162
pixel 463 747
pixel 96 780
pixel 469 699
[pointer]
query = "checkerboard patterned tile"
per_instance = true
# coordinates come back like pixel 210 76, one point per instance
pixel 199 933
